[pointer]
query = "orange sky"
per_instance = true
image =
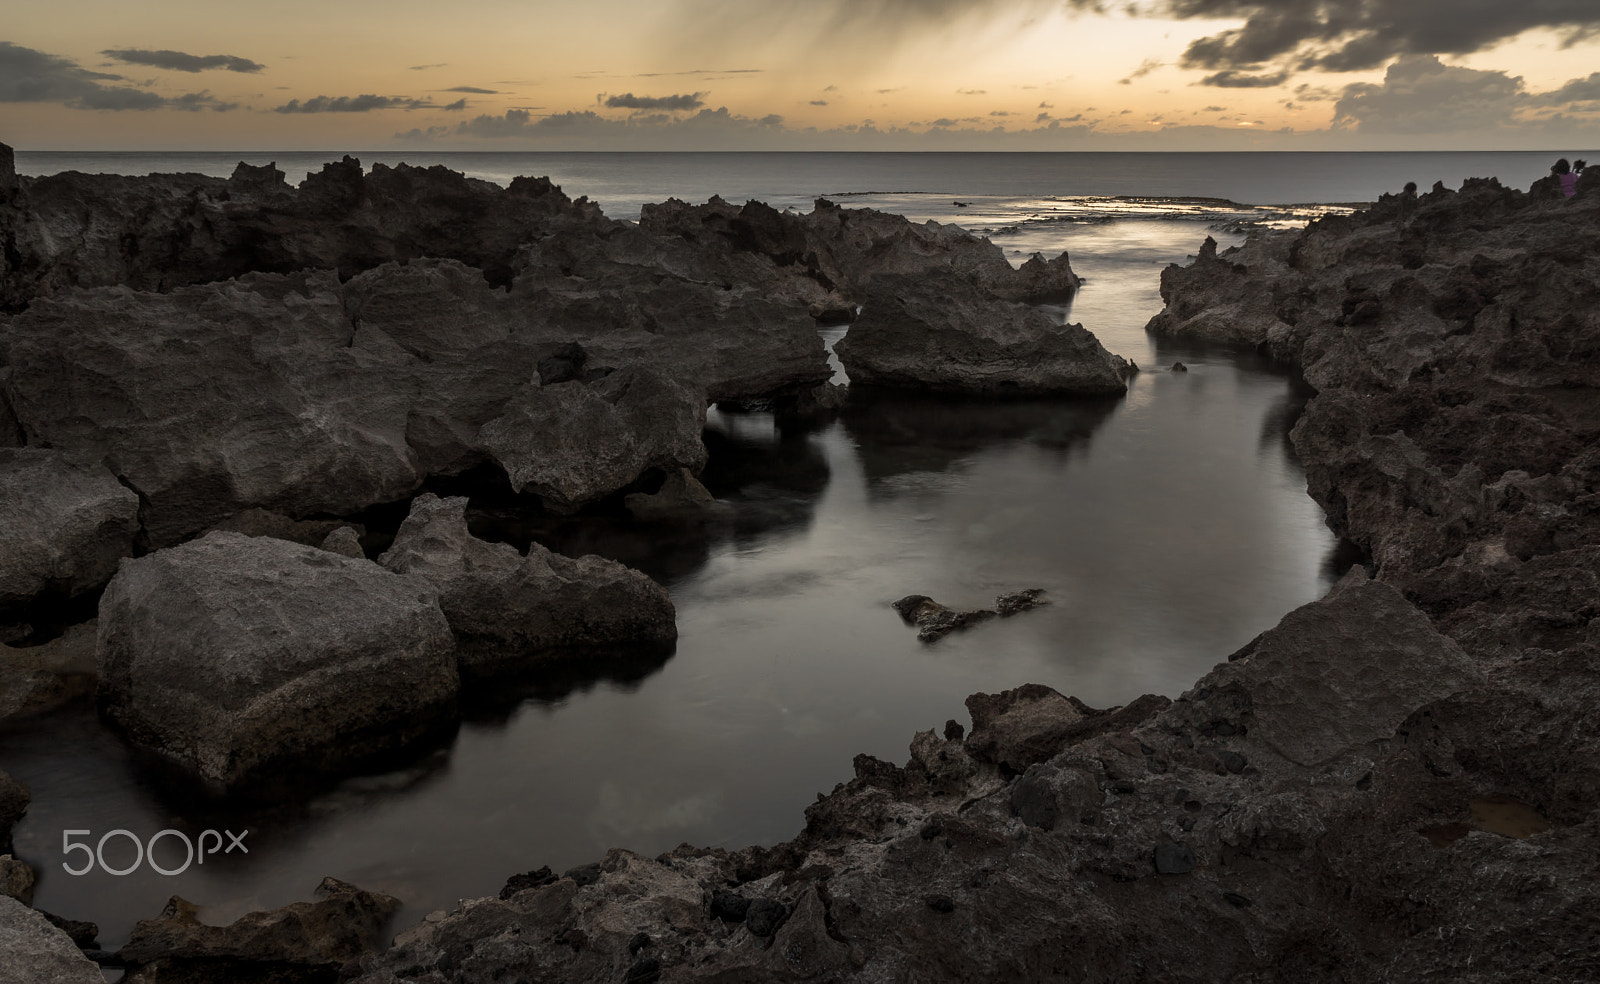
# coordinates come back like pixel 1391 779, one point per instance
pixel 682 74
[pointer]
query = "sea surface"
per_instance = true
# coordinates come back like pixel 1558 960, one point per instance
pixel 1168 527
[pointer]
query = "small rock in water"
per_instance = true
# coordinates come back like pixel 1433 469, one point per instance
pixel 1174 858
pixel 1179 367
pixel 935 621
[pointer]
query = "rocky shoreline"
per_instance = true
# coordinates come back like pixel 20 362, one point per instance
pixel 1400 781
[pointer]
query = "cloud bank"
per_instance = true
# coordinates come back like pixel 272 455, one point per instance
pixel 355 104
pixel 671 104
pixel 27 75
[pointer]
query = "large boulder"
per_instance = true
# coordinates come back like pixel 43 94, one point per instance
pixel 32 951
pixel 571 443
pixel 234 656
pixel 949 336
pixel 212 399
pixel 65 522
pixel 512 612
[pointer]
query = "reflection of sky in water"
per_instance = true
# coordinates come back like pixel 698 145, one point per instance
pixel 1168 528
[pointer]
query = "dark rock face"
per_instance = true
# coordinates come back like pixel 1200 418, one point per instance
pixel 301 942
pixel 65 522
pixel 14 799
pixel 510 612
pixel 949 336
pixel 570 443
pixel 934 621
pixel 233 656
pixel 32 951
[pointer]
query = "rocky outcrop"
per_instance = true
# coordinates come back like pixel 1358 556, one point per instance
pixel 14 799
pixel 951 337
pixel 64 524
pixel 301 942
pixel 1399 781
pixel 571 443
pixel 935 621
pixel 511 613
pixel 32 951
pixel 236 657
pixel 167 230
pixel 38 678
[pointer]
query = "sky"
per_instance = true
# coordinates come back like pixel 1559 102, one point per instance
pixel 778 75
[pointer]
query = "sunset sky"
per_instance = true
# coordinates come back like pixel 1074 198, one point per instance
pixel 773 74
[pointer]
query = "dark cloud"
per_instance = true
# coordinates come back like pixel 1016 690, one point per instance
pixel 424 68
pixel 998 112
pixel 819 102
pixel 1577 90
pixel 353 104
pixel 1420 94
pixel 27 75
pixel 669 103
pixel 459 104
pixel 474 90
pixel 180 61
pixel 1229 79
pixel 1145 68
pixel 193 102
pixel 1353 35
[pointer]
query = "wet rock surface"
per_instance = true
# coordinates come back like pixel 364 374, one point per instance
pixel 236 656
pixel 935 621
pixel 1282 819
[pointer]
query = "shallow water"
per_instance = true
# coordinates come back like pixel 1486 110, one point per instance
pixel 1168 527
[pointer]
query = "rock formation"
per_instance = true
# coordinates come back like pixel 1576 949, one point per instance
pixel 1399 781
pixel 511 613
pixel 236 657
pixel 951 337
pixel 64 524
pixel 32 951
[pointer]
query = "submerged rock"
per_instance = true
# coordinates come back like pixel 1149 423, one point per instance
pixel 235 656
pixel 32 951
pixel 934 621
pixel 512 613
pixel 65 522
pixel 950 337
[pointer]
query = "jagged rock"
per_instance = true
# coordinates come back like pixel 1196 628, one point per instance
pixel 934 621
pixel 262 522
pixel 302 941
pixel 65 522
pixel 14 799
pixel 37 678
pixel 572 443
pixel 234 656
pixel 511 612
pixel 8 174
pixel 16 879
pixel 34 952
pixel 948 336
pixel 344 541
pixel 210 400
pixel 1343 671
pixel 681 496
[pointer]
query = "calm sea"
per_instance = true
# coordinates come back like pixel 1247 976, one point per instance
pixel 1168 527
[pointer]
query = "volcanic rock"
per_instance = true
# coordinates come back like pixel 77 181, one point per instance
pixel 302 941
pixel 511 612
pixel 934 621
pixel 571 443
pixel 948 336
pixel 65 522
pixel 233 656
pixel 32 951
pixel 37 678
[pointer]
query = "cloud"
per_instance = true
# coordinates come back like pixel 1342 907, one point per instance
pixel 819 102
pixel 193 102
pixel 1354 35
pixel 180 61
pixel 1420 94
pixel 1145 68
pixel 972 92
pixel 424 68
pixel 474 90
pixel 27 75
pixel 1577 90
pixel 352 104
pixel 670 103
pixel 459 104
pixel 1230 79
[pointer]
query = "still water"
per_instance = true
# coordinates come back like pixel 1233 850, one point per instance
pixel 1167 527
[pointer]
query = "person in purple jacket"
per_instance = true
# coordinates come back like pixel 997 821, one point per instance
pixel 1562 170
